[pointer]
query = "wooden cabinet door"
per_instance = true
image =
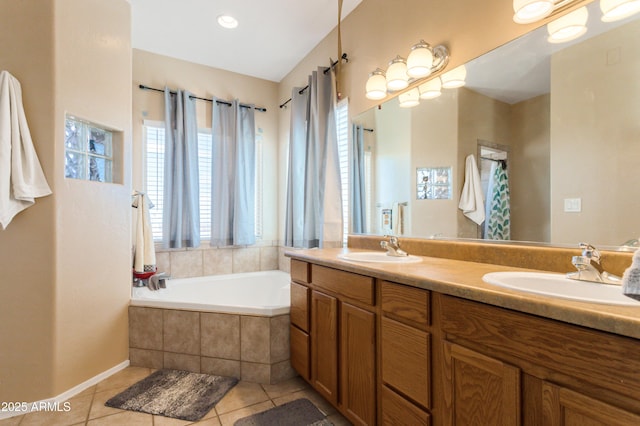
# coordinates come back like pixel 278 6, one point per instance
pixel 564 407
pixel 405 357
pixel 357 364
pixel 479 390
pixel 324 345
pixel 299 344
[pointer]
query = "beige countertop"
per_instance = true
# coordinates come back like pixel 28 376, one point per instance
pixel 464 279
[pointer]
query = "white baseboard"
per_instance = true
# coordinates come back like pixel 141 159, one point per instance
pixel 65 396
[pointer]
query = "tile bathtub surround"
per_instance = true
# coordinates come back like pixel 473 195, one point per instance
pixel 87 408
pixel 186 263
pixel 252 348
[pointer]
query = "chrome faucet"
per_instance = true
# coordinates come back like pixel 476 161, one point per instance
pixel 393 247
pixel 589 268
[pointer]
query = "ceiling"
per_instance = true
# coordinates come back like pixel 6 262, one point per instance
pixel 272 37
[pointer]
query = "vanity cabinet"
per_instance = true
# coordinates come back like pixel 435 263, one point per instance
pixel 393 354
pixel 340 339
pixel 510 368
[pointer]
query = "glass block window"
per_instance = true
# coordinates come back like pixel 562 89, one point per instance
pixel 88 151
pixel 433 183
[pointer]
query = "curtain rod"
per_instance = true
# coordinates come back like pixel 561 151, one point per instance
pixel 261 109
pixel 326 70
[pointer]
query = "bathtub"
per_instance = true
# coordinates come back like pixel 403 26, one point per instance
pixel 233 325
pixel 263 293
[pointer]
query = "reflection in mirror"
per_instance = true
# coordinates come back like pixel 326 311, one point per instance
pixel 566 118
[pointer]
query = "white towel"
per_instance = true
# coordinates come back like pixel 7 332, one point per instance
pixel 397 216
pixel 471 198
pixel 21 176
pixel 144 257
pixel 631 278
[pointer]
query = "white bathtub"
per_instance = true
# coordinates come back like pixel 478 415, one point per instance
pixel 263 293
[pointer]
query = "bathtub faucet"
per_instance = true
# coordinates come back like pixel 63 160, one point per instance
pixel 393 247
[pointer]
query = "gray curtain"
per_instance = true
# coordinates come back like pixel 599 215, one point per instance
pixel 356 174
pixel 319 182
pixel 181 211
pixel 233 175
pixel 294 220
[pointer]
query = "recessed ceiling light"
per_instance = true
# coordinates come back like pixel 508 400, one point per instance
pixel 227 21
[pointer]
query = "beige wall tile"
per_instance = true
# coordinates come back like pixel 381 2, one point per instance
pixel 145 358
pixel 268 258
pixel 285 387
pixel 279 338
pixel 220 367
pixel 182 362
pixel 187 263
pixel 163 262
pixel 284 263
pixel 255 339
pixel 145 328
pixel 282 371
pixel 181 332
pixel 246 260
pixel 255 372
pixel 220 335
pixel 217 261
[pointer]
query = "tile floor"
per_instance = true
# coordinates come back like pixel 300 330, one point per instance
pixel 87 408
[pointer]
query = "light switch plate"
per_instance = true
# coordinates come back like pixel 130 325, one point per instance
pixel 573 205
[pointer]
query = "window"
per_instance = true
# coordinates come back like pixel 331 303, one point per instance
pixel 154 178
pixel 88 151
pixel 342 126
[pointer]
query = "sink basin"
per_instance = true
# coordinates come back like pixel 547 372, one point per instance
pixel 558 285
pixel 377 256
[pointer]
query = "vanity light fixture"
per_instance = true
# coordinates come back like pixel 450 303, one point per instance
pixel 568 27
pixel 613 10
pixel 454 78
pixel 431 89
pixel 527 11
pixel 410 98
pixel 420 60
pixel 376 87
pixel 397 78
pixel 227 21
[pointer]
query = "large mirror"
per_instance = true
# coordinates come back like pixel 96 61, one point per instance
pixel 561 120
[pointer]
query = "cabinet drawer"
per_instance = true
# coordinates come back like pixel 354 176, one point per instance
pixel 299 312
pixel 300 351
pixel 406 304
pixel 299 271
pixel 354 286
pixel 398 411
pixel 406 361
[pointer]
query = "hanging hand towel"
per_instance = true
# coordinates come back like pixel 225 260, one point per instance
pixel 21 176
pixel 397 215
pixel 631 278
pixel 471 198
pixel 144 257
